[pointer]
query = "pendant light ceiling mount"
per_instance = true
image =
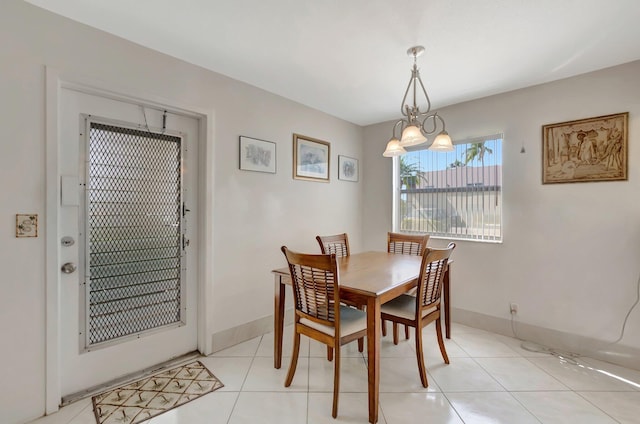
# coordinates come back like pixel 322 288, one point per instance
pixel 415 125
pixel 415 51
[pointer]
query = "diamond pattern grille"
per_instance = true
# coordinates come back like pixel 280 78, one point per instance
pixel 134 228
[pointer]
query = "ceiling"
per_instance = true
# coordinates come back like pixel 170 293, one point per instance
pixel 348 57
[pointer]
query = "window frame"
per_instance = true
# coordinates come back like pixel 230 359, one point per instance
pixel 495 189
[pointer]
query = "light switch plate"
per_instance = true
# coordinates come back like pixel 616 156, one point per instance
pixel 26 225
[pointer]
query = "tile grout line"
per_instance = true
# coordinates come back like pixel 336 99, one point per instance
pixel 90 405
pixel 453 407
pixel 569 389
pixel 525 408
pixel 581 396
pixel 548 373
pixel 595 406
pixel 501 385
pixel 244 380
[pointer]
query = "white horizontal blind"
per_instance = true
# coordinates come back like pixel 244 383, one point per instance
pixel 453 195
pixel 134 232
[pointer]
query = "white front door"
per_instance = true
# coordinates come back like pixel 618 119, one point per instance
pixel 128 216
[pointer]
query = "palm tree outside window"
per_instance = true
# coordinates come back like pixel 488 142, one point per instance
pixel 452 195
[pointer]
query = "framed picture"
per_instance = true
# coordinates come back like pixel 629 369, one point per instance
pixel 310 158
pixel 592 149
pixel 347 168
pixel 257 155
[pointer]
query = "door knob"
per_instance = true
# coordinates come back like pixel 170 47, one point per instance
pixel 68 268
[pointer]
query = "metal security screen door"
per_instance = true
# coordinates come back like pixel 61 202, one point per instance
pixel 134 233
pixel 132 302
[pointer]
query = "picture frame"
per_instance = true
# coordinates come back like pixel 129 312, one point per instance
pixel 311 158
pixel 586 150
pixel 348 168
pixel 257 155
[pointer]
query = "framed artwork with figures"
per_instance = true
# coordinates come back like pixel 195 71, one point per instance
pixel 586 150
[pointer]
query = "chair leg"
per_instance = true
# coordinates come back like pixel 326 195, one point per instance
pixel 294 359
pixel 384 328
pixel 421 368
pixel 329 353
pixel 336 382
pixel 443 351
pixel 406 332
pixel 395 333
pixel 361 339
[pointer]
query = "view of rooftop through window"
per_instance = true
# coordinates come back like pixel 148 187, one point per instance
pixel 456 194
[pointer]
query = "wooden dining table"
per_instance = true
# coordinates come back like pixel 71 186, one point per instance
pixel 369 279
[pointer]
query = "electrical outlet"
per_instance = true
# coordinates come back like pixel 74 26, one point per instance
pixel 513 308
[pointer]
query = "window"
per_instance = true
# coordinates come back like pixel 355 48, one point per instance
pixel 134 229
pixel 454 195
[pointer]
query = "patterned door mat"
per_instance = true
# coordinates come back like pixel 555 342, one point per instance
pixel 151 396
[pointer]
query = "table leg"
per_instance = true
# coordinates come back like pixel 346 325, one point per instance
pixel 278 324
pixel 373 356
pixel 447 303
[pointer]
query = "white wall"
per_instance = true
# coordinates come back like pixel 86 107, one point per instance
pixel 570 256
pixel 253 213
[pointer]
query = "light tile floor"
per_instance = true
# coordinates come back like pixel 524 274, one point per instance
pixel 491 379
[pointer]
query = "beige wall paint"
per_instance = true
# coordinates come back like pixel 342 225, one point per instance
pixel 253 213
pixel 570 256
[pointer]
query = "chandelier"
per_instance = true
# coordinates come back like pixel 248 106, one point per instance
pixel 417 125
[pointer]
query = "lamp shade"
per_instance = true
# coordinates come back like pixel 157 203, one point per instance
pixel 394 149
pixel 412 136
pixel 442 143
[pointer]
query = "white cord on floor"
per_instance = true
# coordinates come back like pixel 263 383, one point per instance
pixel 539 348
pixel 626 318
pixel 569 356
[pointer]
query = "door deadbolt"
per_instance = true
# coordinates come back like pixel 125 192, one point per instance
pixel 67 241
pixel 68 268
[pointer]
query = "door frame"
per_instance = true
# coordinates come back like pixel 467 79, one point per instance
pixel 55 82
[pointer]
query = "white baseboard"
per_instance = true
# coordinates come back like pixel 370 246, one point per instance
pixel 247 331
pixel 618 354
pixel 585 346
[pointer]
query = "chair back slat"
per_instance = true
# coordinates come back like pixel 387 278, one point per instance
pixel 315 286
pixel 337 244
pixel 315 292
pixel 434 263
pixel 406 244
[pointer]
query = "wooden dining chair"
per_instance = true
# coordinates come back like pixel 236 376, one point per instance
pixel 404 244
pixel 338 244
pixel 407 244
pixel 318 312
pixel 424 308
